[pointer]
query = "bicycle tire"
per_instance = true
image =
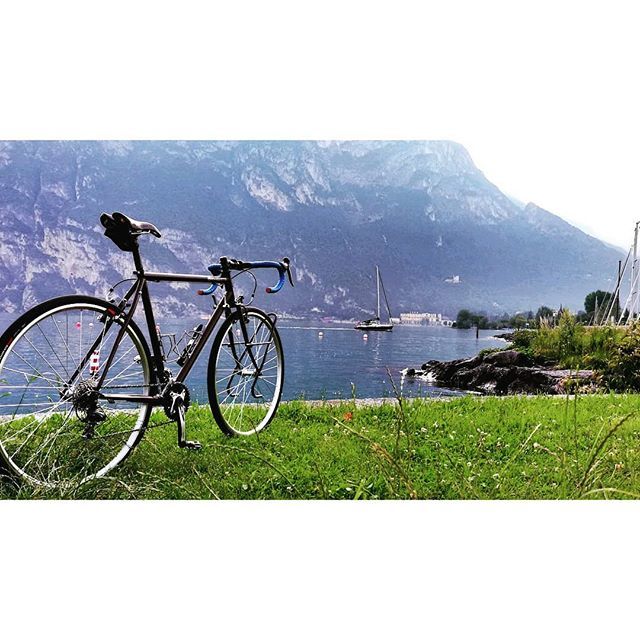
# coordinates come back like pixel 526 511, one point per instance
pixel 50 433
pixel 232 375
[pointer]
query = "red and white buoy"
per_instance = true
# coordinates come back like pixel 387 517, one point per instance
pixel 94 362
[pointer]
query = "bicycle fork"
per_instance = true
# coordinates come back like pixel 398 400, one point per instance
pixel 248 344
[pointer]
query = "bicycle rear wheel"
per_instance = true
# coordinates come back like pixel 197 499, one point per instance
pixel 55 429
pixel 246 373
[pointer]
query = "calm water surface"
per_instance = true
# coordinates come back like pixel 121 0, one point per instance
pixel 327 366
pixel 331 365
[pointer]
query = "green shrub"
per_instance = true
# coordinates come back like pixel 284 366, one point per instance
pixel 570 344
pixel 571 341
pixel 622 370
pixel 522 338
pixel 521 341
pixel 488 350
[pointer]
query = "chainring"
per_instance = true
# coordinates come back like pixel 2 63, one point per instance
pixel 179 388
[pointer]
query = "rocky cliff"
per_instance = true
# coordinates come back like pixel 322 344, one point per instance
pixel 422 211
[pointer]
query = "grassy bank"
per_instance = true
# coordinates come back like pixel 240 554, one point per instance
pixel 572 345
pixel 493 448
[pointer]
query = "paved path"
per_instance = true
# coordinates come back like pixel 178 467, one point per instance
pixel 369 402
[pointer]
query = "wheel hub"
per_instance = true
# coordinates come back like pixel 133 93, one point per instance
pixel 84 395
pixel 84 398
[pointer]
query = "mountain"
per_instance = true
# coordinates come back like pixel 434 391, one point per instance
pixel 422 211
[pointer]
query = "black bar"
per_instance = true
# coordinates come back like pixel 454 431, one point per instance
pixel 108 320
pixel 92 348
pixel 153 332
pixel 133 397
pixel 136 256
pixel 204 337
pixel 121 332
pixel 154 276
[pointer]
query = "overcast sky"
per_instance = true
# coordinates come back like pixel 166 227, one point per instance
pixel 544 95
pixel 549 109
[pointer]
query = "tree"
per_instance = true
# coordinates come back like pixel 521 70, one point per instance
pixel 598 298
pixel 519 321
pixel 544 312
pixel 480 321
pixel 467 319
pixel 464 319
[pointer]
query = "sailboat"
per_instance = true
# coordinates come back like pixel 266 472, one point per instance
pixel 374 324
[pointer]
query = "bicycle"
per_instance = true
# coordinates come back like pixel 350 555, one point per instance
pixel 78 380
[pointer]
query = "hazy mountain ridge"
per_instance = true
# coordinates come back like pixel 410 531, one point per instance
pixel 421 210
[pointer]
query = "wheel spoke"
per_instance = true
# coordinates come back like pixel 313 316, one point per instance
pixel 241 403
pixel 60 431
pixel 38 373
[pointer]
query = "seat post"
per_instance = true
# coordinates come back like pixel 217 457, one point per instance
pixel 137 260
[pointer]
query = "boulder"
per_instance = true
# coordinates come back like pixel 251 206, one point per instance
pixel 507 358
pixel 503 372
pixel 508 336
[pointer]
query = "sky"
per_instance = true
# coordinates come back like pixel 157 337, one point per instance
pixel 555 120
pixel 544 95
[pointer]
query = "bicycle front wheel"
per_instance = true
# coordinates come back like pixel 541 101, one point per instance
pixel 246 373
pixel 55 426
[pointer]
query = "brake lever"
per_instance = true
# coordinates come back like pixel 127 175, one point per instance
pixel 287 264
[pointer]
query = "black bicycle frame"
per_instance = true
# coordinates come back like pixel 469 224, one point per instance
pixel 140 290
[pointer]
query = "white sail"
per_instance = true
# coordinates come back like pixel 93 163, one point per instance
pixel 375 324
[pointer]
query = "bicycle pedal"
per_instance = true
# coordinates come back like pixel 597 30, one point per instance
pixel 193 445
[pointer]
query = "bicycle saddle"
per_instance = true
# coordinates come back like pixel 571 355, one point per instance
pixel 137 226
pixel 123 230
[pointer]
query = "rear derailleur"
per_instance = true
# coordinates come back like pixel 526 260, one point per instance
pixel 84 399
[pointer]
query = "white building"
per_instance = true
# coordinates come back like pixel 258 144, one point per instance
pixel 416 317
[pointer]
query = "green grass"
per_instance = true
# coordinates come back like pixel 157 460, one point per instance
pixel 467 448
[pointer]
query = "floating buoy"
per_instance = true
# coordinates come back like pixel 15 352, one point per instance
pixel 320 334
pixel 91 324
pixel 365 336
pixel 94 363
pixel 78 325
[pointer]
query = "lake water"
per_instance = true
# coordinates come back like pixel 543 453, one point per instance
pixel 327 366
pixel 332 364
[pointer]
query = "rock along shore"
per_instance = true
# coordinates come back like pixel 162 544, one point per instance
pixel 502 373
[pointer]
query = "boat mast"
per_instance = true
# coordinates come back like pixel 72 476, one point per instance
pixel 386 301
pixel 634 275
pixel 378 290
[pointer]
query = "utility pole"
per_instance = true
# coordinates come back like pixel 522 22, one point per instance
pixel 378 289
pixel 617 316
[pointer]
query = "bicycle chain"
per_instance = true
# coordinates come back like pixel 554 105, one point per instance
pixel 129 386
pixel 161 424
pixel 137 386
pixel 147 428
